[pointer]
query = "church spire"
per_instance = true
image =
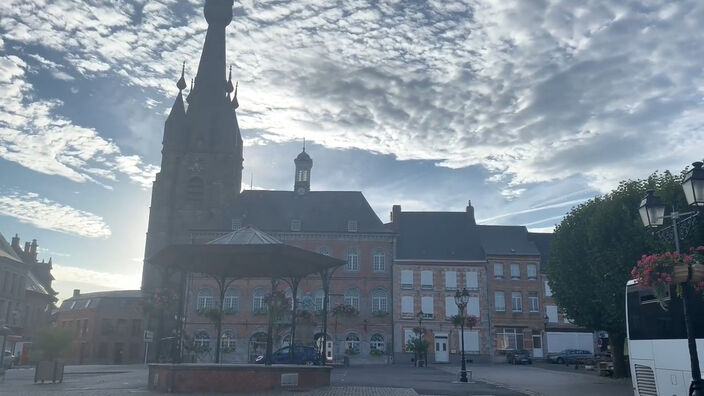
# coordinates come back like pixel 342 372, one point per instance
pixel 235 102
pixel 228 85
pixel 174 127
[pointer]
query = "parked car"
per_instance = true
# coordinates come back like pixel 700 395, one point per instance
pixel 520 356
pixel 8 360
pixel 301 355
pixel 569 356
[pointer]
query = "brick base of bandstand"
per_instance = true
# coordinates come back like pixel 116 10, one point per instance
pixel 199 377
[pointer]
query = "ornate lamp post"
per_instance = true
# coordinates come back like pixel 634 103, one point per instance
pixel 461 299
pixel 419 316
pixel 652 213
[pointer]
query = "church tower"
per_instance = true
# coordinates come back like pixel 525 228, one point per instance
pixel 304 164
pixel 201 164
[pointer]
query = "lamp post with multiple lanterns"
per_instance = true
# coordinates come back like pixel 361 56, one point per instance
pixel 652 213
pixel 461 299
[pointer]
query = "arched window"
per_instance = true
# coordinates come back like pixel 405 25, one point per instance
pixel 202 340
pixel 258 297
pixel 377 343
pixel 352 298
pixel 231 304
pixel 352 343
pixel 379 261
pixel 257 346
pixel 194 190
pixel 380 301
pixel 352 259
pixel 227 341
pixel 205 299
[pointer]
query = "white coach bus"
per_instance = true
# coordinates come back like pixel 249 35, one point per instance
pixel 657 342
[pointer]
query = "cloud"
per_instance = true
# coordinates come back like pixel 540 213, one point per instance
pixel 30 208
pixel 532 92
pixel 531 210
pixel 105 280
pixel 33 136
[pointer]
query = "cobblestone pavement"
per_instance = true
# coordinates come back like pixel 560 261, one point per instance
pixel 535 380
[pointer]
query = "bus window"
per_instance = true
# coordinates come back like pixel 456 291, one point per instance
pixel 647 320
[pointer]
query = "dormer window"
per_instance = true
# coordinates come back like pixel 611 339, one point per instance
pixel 351 225
pixel 295 225
pixel 236 224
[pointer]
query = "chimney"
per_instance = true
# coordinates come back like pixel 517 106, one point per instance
pixel 26 247
pixel 33 250
pixel 76 292
pixel 395 214
pixel 470 213
pixel 16 242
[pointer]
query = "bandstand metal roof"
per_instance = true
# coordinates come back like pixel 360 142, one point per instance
pixel 244 253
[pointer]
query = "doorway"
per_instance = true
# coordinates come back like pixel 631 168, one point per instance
pixel 442 353
pixel 537 346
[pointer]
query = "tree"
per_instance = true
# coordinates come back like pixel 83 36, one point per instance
pixel 52 342
pixel 594 249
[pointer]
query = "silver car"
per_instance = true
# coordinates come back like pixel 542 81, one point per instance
pixel 569 356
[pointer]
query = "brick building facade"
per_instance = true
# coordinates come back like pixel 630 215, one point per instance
pixel 107 327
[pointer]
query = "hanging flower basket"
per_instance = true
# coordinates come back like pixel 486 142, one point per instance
pixel 680 273
pixel 658 271
pixel 698 266
pixel 698 272
pixel 345 310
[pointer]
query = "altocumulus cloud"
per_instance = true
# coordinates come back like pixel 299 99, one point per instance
pixel 531 91
pixel 44 213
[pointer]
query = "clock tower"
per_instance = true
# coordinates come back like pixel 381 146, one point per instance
pixel 304 164
pixel 201 164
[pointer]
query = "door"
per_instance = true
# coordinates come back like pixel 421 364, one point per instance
pixel 442 354
pixel 537 346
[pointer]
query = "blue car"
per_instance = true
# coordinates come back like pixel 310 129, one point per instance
pixel 301 355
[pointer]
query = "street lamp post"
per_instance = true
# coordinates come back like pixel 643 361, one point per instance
pixel 419 315
pixel 461 299
pixel 652 213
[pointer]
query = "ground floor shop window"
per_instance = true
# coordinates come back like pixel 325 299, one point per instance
pixel 508 338
pixel 257 346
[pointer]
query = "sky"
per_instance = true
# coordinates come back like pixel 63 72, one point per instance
pixel 526 108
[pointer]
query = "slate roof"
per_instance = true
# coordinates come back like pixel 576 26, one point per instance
pixel 35 286
pixel 542 241
pixel 318 211
pixel 96 298
pixel 7 251
pixel 507 240
pixel 437 236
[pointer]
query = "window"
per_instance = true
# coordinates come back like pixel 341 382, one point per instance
pixel 426 305
pixel 352 259
pixel 231 304
pixel 302 175
pixel 73 304
pixel 407 306
pixel 377 343
pixel 515 271
pixel 295 225
pixel 205 299
pixel 194 190
pixel 136 327
pixel 106 327
pixel 318 300
pixel 471 280
pixel 379 301
pixel 533 301
pixel 84 331
pixel 426 279
pixel 473 306
pixel 408 336
pixel 352 342
pixel 407 279
pixel 471 341
pixel 351 225
pixel 227 341
pixel 548 291
pixel 88 303
pixel 499 301
pixel 450 280
pixel 202 339
pixel 121 327
pixel 532 271
pixel 551 312
pixel 507 338
pixel 258 296
pixel 516 302
pixel 352 298
pixel 379 261
pixel 498 271
pixel 450 307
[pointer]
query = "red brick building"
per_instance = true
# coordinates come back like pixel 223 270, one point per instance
pixel 108 327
